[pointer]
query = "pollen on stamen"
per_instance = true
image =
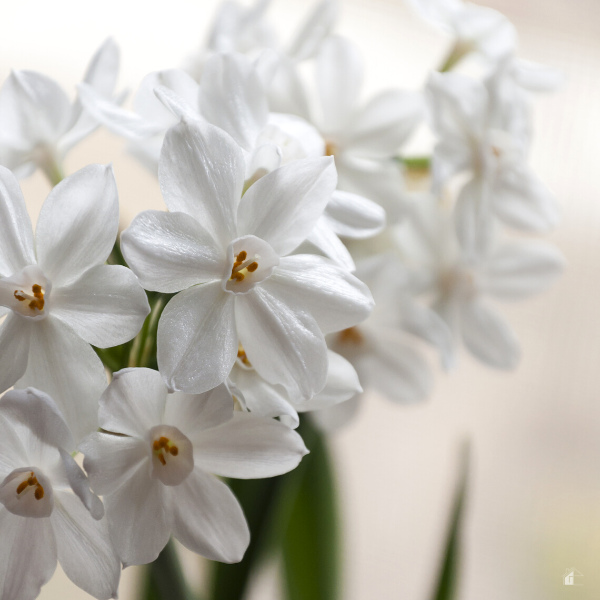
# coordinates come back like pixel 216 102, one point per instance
pixel 174 451
pixel 241 257
pixel 252 267
pixel 39 492
pixel 22 487
pixel 162 459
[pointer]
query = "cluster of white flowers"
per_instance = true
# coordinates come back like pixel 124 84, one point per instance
pixel 302 265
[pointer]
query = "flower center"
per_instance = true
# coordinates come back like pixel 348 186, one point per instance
pixel 26 292
pixel 172 454
pixel 251 260
pixel 242 266
pixel 330 148
pixel 28 493
pixel 35 300
pixel 242 357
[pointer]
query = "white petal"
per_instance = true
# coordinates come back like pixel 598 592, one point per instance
pixel 176 104
pixel 316 28
pixel 488 336
pixel 133 403
pixel 201 173
pixel 379 181
pixel 119 120
pixel 38 412
pixel 85 552
pixel 33 109
pixel 287 92
pixel 170 252
pixel 193 413
pixel 13 451
pixel 335 298
pixel 425 323
pixel 197 340
pixel 517 270
pixel 397 371
pixel 110 460
pixel 324 239
pixel 14 349
pixel 342 384
pixel 16 239
pixel 139 519
pixel 385 124
pixel 353 216
pixel 208 518
pixel 31 560
pixel 249 447
pixel 78 224
pixel 474 217
pixel 263 399
pixel 81 487
pixel 339 81
pixel 66 368
pixel 284 206
pixel 106 306
pixel 523 201
pixel 232 97
pixel 284 345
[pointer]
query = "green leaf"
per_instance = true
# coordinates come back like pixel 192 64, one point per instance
pixel 310 545
pixel 448 578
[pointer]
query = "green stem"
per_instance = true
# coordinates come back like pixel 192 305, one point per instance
pixel 165 580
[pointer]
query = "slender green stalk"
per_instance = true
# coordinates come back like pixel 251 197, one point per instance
pixel 448 578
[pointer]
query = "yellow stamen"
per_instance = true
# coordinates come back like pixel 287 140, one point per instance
pixel 22 487
pixel 351 336
pixel 31 481
pixel 39 492
pixel 36 300
pixel 242 266
pixel 161 447
pixel 242 355
pixel 330 149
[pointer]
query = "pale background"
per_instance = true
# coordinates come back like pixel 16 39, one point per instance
pixel 534 503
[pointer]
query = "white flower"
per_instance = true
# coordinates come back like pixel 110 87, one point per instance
pixel 457 283
pixel 476 28
pixel 382 349
pixel 38 123
pixel 265 399
pixel 467 118
pixel 47 511
pixel 59 296
pixel 144 126
pixel 237 248
pixel 155 478
pixel 364 139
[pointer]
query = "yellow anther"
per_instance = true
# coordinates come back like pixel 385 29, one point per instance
pixel 330 149
pixel 163 445
pixel 39 492
pixel 351 336
pixel 162 459
pixel 242 355
pixel 22 487
pixel 36 299
pixel 174 450
pixel 31 481
pixel 242 266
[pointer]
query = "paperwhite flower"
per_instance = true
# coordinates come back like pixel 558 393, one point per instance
pixel 155 478
pixel 144 126
pixel 265 399
pixel 466 118
pixel 382 349
pixel 47 511
pixel 476 28
pixel 458 283
pixel 237 248
pixel 363 138
pixel 59 296
pixel 39 124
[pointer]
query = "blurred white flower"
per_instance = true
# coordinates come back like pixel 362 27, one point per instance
pixel 475 28
pixel 467 118
pixel 59 296
pixel 251 291
pixel 38 123
pixel 155 473
pixel 382 349
pixel 47 511
pixel 457 283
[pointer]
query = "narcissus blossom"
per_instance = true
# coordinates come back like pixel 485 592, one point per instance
pixel 231 256
pixel 47 512
pixel 155 473
pixel 39 124
pixel 58 296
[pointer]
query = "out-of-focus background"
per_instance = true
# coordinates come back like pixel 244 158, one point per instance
pixel 534 500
